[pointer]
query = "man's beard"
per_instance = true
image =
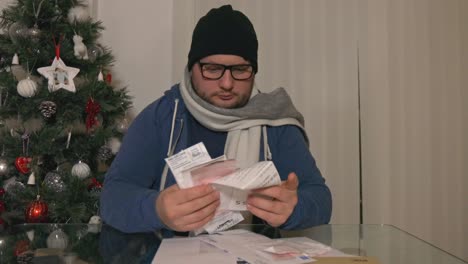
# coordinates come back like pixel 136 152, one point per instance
pixel 241 100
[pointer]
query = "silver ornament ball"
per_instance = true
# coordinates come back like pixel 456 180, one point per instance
pixel 122 125
pixel 57 239
pixel 94 52
pixel 27 88
pixel 35 33
pixel 13 187
pixel 104 153
pixel 17 31
pixel 54 182
pixel 3 167
pixel 81 170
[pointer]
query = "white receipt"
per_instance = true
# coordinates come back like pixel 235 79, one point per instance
pixel 185 159
pixel 237 185
pixel 194 166
pixel 195 159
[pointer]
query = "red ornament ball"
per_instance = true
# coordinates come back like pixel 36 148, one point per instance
pixel 23 164
pixel 21 246
pixel 2 192
pixel 2 207
pixel 36 212
pixel 109 78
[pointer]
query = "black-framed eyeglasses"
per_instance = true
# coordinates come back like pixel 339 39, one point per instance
pixel 214 71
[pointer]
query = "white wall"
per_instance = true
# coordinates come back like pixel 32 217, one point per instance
pixel 140 35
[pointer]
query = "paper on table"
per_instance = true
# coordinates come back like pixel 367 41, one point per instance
pixel 251 247
pixel 347 260
pixel 190 250
pixel 302 244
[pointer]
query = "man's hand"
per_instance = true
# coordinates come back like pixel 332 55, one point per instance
pixel 275 204
pixel 187 209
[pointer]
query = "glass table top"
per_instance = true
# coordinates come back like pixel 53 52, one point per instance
pixel 82 243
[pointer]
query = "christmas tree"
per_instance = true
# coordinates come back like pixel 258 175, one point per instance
pixel 61 120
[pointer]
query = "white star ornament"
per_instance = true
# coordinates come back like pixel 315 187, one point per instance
pixel 59 75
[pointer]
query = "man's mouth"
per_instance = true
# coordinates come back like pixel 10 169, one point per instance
pixel 225 96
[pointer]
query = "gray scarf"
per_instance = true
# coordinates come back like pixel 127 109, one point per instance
pixel 243 124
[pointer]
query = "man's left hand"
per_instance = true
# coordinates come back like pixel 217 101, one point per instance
pixel 275 204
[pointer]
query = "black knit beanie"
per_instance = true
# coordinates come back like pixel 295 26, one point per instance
pixel 224 31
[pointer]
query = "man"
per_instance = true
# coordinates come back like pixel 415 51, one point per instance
pixel 214 105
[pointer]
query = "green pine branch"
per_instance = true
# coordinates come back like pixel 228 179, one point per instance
pixel 26 131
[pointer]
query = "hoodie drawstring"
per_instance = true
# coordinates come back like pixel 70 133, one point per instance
pixel 172 127
pixel 266 148
pixel 171 147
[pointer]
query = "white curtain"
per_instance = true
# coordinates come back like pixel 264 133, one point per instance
pixel 413 67
pixel 415 119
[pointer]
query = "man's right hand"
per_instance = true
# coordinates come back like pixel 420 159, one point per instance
pixel 187 209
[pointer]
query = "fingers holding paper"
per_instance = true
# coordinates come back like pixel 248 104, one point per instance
pixel 275 204
pixel 187 209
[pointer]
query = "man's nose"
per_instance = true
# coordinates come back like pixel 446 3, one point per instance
pixel 226 82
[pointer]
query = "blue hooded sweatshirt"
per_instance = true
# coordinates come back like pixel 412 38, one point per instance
pixel 131 185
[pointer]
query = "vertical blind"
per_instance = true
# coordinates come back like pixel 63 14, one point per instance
pixel 415 119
